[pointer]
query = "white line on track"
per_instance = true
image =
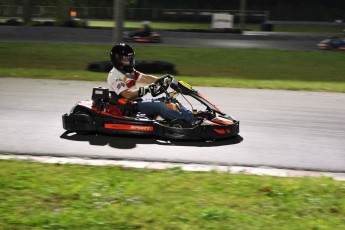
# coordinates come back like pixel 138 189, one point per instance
pixel 263 171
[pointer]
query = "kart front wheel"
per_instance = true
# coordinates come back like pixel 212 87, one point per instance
pixel 179 124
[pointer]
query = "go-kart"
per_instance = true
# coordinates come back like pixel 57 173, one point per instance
pixel 153 37
pixel 108 114
pixel 333 43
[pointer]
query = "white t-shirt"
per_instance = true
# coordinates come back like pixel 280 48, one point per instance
pixel 119 82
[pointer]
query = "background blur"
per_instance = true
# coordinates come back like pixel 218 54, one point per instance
pixel 181 10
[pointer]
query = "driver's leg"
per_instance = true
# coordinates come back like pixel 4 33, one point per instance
pixel 155 106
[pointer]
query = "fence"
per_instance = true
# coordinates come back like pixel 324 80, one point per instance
pixel 194 15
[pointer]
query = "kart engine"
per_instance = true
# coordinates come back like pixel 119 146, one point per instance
pixel 100 96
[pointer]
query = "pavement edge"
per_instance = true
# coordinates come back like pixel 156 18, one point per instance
pixel 264 171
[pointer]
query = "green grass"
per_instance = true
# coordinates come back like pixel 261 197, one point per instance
pixel 155 25
pixel 44 196
pixel 244 68
pixel 319 29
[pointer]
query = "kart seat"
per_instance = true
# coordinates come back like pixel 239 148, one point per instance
pixel 116 103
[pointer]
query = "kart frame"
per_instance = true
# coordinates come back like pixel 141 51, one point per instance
pixel 85 117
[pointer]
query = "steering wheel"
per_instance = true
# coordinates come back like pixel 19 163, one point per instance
pixel 162 84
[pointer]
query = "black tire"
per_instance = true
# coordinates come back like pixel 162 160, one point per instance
pixel 155 67
pixel 156 40
pixel 181 124
pixel 142 66
pixel 81 110
pixel 85 121
pixel 102 66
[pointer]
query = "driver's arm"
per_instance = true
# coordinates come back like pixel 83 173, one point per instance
pixel 135 93
pixel 148 79
pixel 130 93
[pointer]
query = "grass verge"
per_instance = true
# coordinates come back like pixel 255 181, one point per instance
pixel 318 29
pixel 246 68
pixel 155 25
pixel 44 196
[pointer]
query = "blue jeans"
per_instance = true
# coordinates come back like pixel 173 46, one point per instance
pixel 157 106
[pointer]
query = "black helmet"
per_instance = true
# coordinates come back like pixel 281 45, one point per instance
pixel 122 57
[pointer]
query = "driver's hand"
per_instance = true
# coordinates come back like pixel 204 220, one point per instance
pixel 152 88
pixel 167 80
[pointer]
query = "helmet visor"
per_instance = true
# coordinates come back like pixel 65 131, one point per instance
pixel 127 60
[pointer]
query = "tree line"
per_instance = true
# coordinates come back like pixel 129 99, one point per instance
pixel 313 10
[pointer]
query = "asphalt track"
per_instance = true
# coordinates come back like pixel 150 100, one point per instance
pixel 280 129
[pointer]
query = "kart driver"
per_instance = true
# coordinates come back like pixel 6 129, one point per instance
pixel 122 80
pixel 143 32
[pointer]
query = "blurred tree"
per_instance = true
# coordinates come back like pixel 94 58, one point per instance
pixel 10 2
pixel 62 11
pixel 322 10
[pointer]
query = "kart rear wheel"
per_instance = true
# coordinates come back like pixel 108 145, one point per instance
pixel 82 110
pixel 80 122
pixel 156 40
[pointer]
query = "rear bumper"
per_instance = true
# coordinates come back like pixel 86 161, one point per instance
pixel 78 123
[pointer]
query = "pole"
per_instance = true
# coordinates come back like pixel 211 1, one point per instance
pixel 118 21
pixel 27 11
pixel 242 14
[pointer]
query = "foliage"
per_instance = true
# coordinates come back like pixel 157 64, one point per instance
pixel 318 10
pixel 61 12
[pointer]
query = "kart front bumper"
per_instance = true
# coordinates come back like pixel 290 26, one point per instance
pixel 199 132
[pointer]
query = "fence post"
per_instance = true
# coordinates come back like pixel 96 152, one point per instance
pixel 27 11
pixel 242 14
pixel 118 21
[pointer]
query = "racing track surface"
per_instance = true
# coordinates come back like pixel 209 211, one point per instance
pixel 283 129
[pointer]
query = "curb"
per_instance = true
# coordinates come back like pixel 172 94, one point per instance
pixel 261 171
